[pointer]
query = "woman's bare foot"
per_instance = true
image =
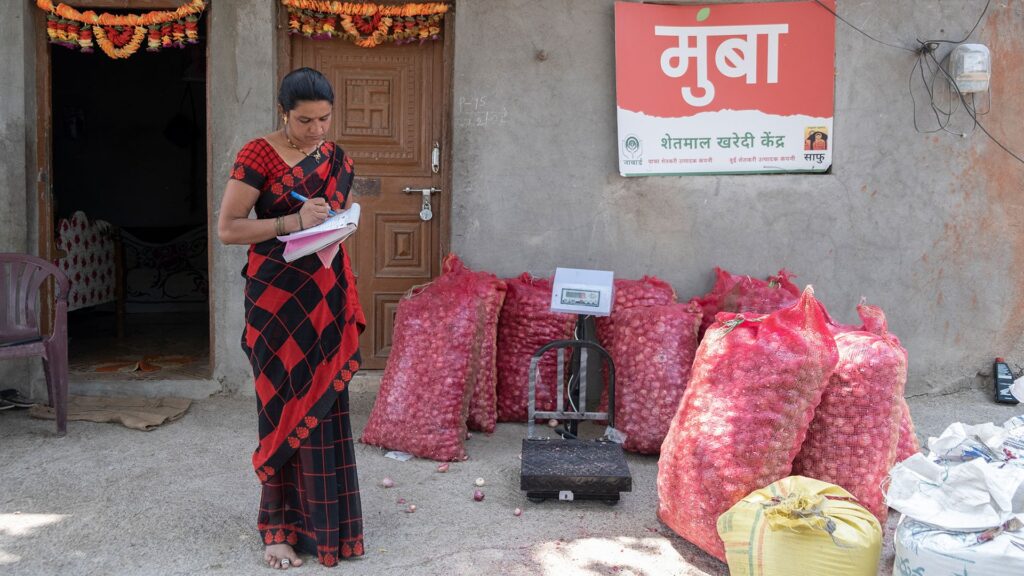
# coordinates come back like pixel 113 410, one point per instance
pixel 281 556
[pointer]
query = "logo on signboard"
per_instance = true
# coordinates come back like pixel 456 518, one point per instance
pixel 816 138
pixel 632 150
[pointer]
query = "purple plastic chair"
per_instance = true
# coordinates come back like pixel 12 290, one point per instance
pixel 21 277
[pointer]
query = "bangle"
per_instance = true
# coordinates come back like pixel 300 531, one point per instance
pixel 279 226
pixel 299 214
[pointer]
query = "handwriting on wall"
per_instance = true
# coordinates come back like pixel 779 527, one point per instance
pixel 479 112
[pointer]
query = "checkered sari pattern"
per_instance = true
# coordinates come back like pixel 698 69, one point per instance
pixel 302 326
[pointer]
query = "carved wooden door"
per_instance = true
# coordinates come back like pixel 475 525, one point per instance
pixel 389 116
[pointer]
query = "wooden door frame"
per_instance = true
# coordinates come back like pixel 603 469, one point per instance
pixel 46 243
pixel 44 117
pixel 284 59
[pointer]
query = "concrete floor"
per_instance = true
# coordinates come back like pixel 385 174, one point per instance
pixel 182 500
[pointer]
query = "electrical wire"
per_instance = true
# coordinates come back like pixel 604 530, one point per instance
pixel 974 116
pixel 926 60
pixel 847 22
pixel 969 34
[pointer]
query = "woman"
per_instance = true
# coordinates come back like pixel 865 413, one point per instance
pixel 302 326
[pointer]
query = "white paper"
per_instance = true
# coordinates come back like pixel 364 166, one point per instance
pixel 339 220
pixel 971 480
pixel 1017 389
pixel 966 497
pixel 960 442
pixel 400 456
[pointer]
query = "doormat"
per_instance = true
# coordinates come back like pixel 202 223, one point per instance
pixel 131 411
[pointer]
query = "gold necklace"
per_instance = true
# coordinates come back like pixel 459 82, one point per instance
pixel 315 152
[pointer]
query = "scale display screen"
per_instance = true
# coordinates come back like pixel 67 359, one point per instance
pixel 577 291
pixel 572 297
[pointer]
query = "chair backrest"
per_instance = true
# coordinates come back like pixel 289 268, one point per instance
pixel 89 261
pixel 21 277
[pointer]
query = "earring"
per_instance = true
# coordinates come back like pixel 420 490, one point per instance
pixel 284 119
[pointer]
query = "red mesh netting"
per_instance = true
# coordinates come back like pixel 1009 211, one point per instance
pixel 653 351
pixel 483 402
pixel 423 401
pixel 853 438
pixel 733 293
pixel 753 388
pixel 526 324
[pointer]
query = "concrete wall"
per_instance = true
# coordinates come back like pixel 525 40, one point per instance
pixel 242 91
pixel 927 226
pixel 13 127
pixel 17 144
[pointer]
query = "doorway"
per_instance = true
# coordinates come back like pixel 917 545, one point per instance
pixel 392 106
pixel 129 211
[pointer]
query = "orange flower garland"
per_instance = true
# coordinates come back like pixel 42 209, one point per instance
pixel 126 49
pixel 367 25
pixel 121 35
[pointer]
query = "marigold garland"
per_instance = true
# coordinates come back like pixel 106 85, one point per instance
pixel 367 25
pixel 127 49
pixel 121 35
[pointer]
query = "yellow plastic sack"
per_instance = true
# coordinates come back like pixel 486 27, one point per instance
pixel 799 526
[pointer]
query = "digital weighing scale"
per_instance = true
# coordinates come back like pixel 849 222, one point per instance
pixel 566 467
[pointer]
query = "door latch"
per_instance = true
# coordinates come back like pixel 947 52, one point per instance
pixel 426 213
pixel 435 158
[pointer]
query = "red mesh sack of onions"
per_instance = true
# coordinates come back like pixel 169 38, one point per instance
pixel 853 438
pixel 648 291
pixel 908 444
pixel 423 401
pixel 733 293
pixel 483 401
pixel 653 350
pixel 526 324
pixel 753 388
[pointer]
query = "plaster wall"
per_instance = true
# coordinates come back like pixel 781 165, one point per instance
pixel 13 127
pixel 928 226
pixel 17 144
pixel 242 87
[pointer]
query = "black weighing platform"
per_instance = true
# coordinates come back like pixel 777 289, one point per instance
pixel 568 468
pixel 574 470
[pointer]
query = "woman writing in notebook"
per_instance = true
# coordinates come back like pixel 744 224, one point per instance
pixel 302 326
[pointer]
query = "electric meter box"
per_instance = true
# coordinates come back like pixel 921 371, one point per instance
pixel 578 291
pixel 971 67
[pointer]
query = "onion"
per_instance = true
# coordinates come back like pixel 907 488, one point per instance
pixel 420 408
pixel 650 376
pixel 478 495
pixel 782 365
pixel 517 512
pixel 479 482
pixel 855 428
pixel 411 508
pixel 387 482
pixel 442 467
pixel 553 423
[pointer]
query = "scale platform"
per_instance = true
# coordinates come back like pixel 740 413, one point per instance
pixel 574 470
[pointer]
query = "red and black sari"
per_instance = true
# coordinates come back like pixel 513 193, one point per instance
pixel 302 325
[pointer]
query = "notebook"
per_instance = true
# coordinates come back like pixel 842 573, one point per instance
pixel 323 239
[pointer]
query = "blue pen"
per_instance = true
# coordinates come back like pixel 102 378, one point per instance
pixel 302 198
